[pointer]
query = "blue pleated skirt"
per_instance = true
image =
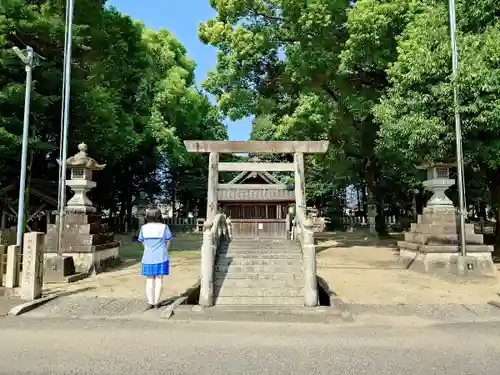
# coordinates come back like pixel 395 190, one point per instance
pixel 157 269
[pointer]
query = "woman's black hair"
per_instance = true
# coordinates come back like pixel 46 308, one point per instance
pixel 153 215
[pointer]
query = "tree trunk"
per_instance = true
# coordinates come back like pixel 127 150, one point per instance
pixel 358 193
pixel 363 199
pixel 482 211
pixel 129 210
pixel 380 224
pixel 494 187
pixel 174 191
pixel 122 211
pixel 378 198
pixel 186 207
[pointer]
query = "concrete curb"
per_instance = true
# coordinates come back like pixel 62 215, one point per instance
pixel 168 312
pixel 494 304
pixel 336 302
pixel 182 298
pixel 31 305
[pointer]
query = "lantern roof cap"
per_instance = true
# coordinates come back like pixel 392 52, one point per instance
pixel 429 165
pixel 82 160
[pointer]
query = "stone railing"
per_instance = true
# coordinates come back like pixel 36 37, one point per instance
pixel 186 224
pixel 213 234
pixel 303 231
pixel 364 221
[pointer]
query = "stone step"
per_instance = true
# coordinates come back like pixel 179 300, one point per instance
pixel 277 301
pixel 403 245
pixel 256 243
pixel 284 249
pixel 260 283
pixel 262 240
pixel 261 313
pixel 225 291
pixel 297 275
pixel 437 219
pixel 260 254
pixel 246 255
pixel 256 261
pixel 442 239
pixel 445 228
pixel 258 268
pixel 250 246
pixel 263 249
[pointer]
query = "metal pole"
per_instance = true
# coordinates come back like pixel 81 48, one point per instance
pixel 24 153
pixel 61 184
pixel 458 129
pixel 66 98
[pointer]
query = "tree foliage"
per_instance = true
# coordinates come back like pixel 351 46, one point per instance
pixel 373 77
pixel 133 101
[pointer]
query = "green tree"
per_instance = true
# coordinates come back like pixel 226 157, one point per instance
pixel 416 116
pixel 133 99
pixel 311 70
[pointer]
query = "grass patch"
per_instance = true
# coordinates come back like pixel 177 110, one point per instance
pixel 134 250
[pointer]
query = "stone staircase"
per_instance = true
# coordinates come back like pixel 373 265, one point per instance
pixel 259 272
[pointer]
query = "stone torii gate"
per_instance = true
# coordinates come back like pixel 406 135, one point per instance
pixel 304 232
pixel 214 148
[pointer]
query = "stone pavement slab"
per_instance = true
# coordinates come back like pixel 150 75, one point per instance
pixel 85 308
pixel 79 306
pixel 8 303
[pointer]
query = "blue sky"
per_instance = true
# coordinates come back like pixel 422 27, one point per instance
pixel 182 17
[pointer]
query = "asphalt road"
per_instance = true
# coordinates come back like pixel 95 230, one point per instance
pixel 66 346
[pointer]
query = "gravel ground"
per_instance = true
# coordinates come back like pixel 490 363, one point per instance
pixel 366 271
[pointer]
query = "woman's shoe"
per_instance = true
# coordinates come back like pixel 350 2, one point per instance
pixel 158 305
pixel 150 307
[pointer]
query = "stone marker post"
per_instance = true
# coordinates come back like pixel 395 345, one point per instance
pixel 372 218
pixel 13 263
pixel 32 279
pixel 2 261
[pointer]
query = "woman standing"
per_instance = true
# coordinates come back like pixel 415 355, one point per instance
pixel 156 237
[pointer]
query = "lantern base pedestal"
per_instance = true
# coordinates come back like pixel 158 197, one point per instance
pixel 58 269
pixel 432 246
pixel 85 240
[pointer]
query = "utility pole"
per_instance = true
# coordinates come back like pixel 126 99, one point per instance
pixel 458 128
pixel 70 5
pixel 29 64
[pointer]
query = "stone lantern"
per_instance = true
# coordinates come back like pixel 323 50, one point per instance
pixel 87 245
pixel 438 181
pixel 433 243
pixel 81 167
